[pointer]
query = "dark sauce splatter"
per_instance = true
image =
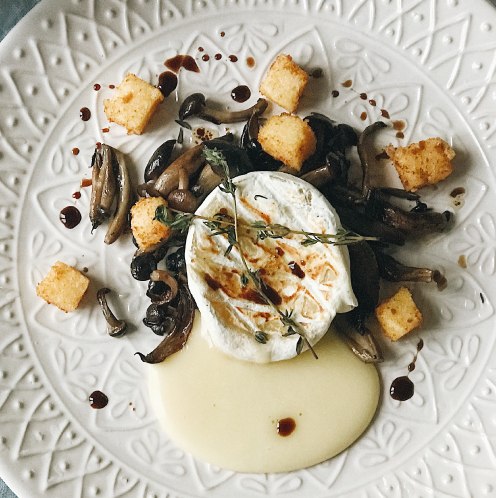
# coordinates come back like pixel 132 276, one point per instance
pixel 179 61
pixel 384 113
pixel 70 217
pixel 200 49
pixel 98 400
pixel 363 96
pixel 279 251
pixel 105 130
pixel 317 73
pixel 86 182
pixel 218 57
pixel 84 113
pixel 457 192
pixel 440 280
pixel 296 270
pixel 241 93
pixel 76 195
pixel 372 102
pixel 111 87
pixel 205 58
pixel 347 83
pixel 400 134
pixel 233 58
pixel 98 145
pixel 382 155
pixel 363 116
pixel 399 125
pixel 402 388
pixel 286 426
pixel 96 87
pixel 222 33
pixel 335 93
pixel 75 151
pixel 250 61
pixel 167 83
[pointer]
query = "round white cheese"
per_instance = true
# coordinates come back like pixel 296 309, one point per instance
pixel 312 283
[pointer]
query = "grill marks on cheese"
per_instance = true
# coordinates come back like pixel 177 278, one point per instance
pixel 235 310
pixel 285 289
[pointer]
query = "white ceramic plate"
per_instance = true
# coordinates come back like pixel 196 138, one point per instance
pixel 429 63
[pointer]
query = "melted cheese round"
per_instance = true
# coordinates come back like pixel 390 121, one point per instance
pixel 311 282
pixel 226 411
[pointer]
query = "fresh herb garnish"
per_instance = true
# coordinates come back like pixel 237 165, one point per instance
pixel 265 231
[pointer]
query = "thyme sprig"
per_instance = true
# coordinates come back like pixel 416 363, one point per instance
pixel 216 158
pixel 182 221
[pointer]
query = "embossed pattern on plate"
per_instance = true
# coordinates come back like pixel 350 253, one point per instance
pixel 430 63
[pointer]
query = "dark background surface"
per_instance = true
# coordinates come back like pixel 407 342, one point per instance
pixel 11 11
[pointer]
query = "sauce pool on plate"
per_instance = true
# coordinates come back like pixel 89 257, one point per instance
pixel 230 412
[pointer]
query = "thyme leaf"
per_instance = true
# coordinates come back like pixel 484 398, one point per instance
pixel 261 337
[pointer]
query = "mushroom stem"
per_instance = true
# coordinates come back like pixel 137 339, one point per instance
pixel 120 219
pixel 195 105
pixel 115 327
pixel 190 161
pixel 183 179
pixel 362 153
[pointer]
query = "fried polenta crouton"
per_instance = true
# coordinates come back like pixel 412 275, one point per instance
pixel 284 83
pixel 288 139
pixel 64 286
pixel 133 104
pixel 422 163
pixel 398 315
pixel 147 231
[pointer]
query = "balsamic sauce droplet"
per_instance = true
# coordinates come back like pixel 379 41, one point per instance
pixel 98 400
pixel 250 61
pixel 84 113
pixel 70 217
pixel 296 269
pixel 179 61
pixel 167 83
pixel 402 388
pixel 286 426
pixel 96 87
pixel 241 93
pixel 335 93
pixel 233 58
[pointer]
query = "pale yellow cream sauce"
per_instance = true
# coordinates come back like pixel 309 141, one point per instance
pixel 225 411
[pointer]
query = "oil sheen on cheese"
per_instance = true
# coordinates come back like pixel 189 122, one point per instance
pixel 226 411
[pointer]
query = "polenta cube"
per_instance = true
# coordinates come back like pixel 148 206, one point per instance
pixel 148 232
pixel 64 286
pixel 133 104
pixel 284 83
pixel 398 315
pixel 423 163
pixel 288 139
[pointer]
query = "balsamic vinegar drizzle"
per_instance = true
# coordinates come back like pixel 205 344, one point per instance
pixel 402 388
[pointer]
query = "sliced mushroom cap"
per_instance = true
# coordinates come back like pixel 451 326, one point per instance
pixel 159 161
pixel 171 290
pixel 192 105
pixel 177 338
pixel 183 200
